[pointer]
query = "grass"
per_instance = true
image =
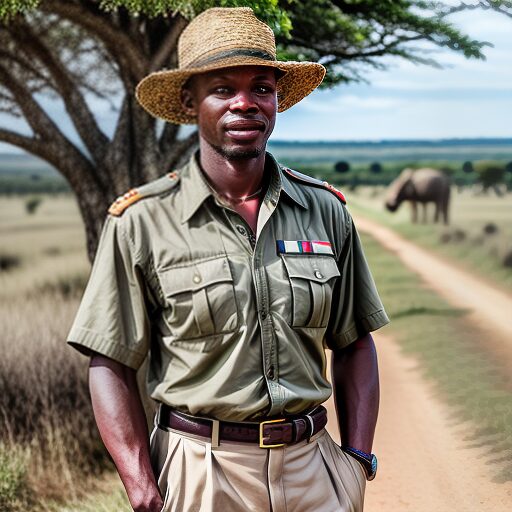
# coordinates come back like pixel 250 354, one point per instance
pixel 452 356
pixel 481 254
pixel 53 459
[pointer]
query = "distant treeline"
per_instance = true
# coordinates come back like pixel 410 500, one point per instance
pixel 12 183
pixel 487 173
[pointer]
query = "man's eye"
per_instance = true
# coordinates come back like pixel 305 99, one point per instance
pixel 264 89
pixel 222 90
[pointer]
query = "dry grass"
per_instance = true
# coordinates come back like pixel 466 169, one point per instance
pixel 47 430
pixel 44 401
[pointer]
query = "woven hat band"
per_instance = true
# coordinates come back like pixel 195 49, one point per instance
pixel 238 52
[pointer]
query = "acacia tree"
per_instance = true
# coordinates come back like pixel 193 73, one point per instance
pixel 80 49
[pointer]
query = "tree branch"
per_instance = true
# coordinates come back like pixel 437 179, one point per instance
pixel 168 44
pixel 57 148
pixel 119 45
pixel 94 139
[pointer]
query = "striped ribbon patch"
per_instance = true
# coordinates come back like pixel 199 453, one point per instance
pixel 304 247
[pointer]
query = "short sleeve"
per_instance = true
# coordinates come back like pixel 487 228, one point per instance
pixel 112 318
pixel 356 306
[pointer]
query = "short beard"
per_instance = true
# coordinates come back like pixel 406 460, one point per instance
pixel 238 154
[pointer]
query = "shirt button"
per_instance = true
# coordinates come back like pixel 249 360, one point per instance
pixel 270 372
pixel 241 230
pixel 318 274
pixel 273 201
pixel 263 315
pixel 196 279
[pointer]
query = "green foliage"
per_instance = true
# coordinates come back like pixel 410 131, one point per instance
pixel 376 168
pixel 490 174
pixel 32 204
pixel 9 8
pixel 342 167
pixel 14 490
pixel 268 10
pixel 467 167
pixel 346 37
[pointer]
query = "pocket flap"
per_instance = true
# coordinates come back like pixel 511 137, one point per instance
pixel 195 276
pixel 313 268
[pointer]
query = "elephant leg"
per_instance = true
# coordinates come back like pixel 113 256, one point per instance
pixel 414 211
pixel 437 212
pixel 424 205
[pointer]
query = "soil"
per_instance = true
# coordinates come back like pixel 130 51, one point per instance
pixel 424 463
pixel 489 308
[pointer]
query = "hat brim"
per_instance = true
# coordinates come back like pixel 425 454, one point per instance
pixel 160 92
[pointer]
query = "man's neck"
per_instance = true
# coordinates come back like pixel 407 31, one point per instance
pixel 234 178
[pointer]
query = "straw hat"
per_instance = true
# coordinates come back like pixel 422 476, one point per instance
pixel 219 38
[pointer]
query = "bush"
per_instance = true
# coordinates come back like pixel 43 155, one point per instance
pixel 32 204
pixel 342 167
pixel 376 168
pixel 490 175
pixel 14 489
pixel 9 261
pixel 467 167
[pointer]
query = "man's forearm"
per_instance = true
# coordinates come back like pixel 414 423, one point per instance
pixel 356 392
pixel 122 424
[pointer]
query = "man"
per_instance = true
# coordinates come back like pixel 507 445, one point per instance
pixel 232 275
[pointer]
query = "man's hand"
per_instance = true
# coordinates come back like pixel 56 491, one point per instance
pixel 122 424
pixel 355 378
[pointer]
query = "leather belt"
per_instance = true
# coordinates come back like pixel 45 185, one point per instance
pixel 272 433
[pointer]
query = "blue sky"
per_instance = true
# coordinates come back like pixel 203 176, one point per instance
pixel 467 98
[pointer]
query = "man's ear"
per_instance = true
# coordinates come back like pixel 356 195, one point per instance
pixel 188 102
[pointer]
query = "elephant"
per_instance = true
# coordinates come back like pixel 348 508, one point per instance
pixel 420 186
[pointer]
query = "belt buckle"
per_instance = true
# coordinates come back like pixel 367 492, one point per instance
pixel 262 425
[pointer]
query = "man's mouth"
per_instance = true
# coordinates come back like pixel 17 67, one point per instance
pixel 244 129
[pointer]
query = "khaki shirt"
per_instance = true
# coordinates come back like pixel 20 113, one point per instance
pixel 234 329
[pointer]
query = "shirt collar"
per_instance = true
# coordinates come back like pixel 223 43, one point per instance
pixel 196 189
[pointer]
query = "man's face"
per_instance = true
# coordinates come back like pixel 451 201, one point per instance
pixel 235 108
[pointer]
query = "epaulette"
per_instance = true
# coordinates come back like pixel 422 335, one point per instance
pixel 304 178
pixel 153 188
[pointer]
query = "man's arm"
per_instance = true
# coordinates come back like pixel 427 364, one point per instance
pixel 120 417
pixel 356 392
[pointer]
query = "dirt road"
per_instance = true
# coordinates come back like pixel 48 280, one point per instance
pixel 423 463
pixel 424 466
pixel 489 309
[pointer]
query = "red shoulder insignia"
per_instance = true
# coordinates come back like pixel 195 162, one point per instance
pixel 122 202
pixel 335 191
pixel 304 178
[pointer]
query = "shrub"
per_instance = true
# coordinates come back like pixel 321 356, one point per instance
pixel 9 261
pixel 467 167
pixel 490 175
pixel 376 168
pixel 14 489
pixel 490 228
pixel 32 204
pixel 342 167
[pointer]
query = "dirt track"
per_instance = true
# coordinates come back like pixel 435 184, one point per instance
pixel 489 309
pixel 423 463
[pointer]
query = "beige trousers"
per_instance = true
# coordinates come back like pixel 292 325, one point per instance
pixel 239 477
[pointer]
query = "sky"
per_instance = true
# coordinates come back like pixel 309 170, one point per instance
pixel 467 98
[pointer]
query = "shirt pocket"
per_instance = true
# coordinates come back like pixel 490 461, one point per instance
pixel 200 299
pixel 312 280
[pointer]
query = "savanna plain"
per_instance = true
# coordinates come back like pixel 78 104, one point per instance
pixel 51 457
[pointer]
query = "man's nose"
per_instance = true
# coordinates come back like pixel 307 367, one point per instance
pixel 244 102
